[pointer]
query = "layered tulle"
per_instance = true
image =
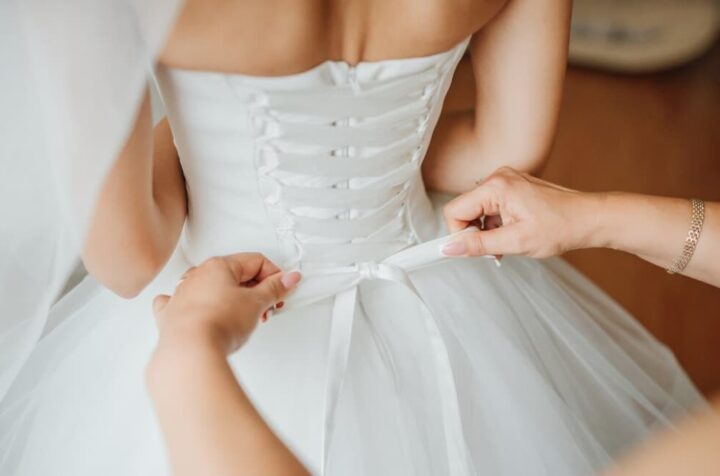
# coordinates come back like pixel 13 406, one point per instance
pixel 552 378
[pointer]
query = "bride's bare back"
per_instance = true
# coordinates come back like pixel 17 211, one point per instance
pixel 518 52
pixel 279 37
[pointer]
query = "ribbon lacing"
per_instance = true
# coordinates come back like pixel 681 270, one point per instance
pixel 336 165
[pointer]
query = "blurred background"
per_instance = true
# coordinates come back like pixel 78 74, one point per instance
pixel 641 113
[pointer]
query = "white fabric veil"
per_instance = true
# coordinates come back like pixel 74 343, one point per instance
pixel 72 74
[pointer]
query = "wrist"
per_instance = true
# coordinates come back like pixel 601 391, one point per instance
pixel 589 210
pixel 615 217
pixel 176 354
pixel 192 332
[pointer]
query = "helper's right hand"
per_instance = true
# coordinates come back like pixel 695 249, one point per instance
pixel 523 216
pixel 221 300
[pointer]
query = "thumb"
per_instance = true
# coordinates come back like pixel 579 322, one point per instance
pixel 274 288
pixel 498 241
pixel 160 302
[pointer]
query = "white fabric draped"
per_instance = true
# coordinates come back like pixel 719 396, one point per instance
pixel 72 78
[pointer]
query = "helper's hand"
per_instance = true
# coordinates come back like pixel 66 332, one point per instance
pixel 221 300
pixel 523 216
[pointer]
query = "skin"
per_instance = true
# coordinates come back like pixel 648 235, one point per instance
pixel 209 424
pixel 140 211
pixel 518 80
pixel 691 450
pixel 541 219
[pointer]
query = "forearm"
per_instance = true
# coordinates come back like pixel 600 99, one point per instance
pixel 655 228
pixel 459 156
pixel 140 210
pixel 518 64
pixel 457 159
pixel 210 426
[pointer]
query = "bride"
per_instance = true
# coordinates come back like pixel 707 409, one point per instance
pixel 298 129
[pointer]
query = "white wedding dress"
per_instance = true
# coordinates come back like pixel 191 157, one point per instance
pixel 389 359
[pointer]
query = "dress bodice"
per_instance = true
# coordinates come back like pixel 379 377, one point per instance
pixel 312 169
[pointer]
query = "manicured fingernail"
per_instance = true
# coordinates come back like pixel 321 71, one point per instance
pixel 280 305
pixel 290 279
pixel 454 248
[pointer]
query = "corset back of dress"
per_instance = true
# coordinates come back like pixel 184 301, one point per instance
pixel 313 169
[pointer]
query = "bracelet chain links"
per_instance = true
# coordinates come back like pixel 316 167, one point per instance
pixel 697 219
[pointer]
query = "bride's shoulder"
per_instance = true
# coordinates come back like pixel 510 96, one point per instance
pixel 446 15
pixel 474 8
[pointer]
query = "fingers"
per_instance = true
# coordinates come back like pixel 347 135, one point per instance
pixel 274 288
pixel 486 199
pixel 250 266
pixel 499 241
pixel 490 196
pixel 466 208
pixel 159 303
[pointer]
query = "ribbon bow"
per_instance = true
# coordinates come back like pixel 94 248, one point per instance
pixel 342 282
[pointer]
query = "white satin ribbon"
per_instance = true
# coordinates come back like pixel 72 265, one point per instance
pixel 342 282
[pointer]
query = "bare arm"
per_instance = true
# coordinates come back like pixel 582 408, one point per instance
pixel 654 228
pixel 540 219
pixel 210 425
pixel 140 211
pixel 518 61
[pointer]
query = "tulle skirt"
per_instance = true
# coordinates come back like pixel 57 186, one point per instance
pixel 552 378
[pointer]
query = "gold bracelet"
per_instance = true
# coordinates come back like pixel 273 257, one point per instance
pixel 697 218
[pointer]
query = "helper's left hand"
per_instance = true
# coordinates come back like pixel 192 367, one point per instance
pixel 523 216
pixel 220 301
